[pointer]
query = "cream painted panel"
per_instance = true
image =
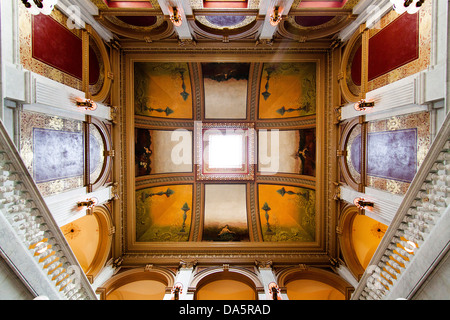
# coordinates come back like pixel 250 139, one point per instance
pixel 277 150
pixel 172 151
pixel 225 101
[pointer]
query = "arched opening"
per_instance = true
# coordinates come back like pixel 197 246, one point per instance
pixel 366 234
pixel 314 284
pixel 90 239
pixel 226 289
pixel 359 238
pixel 307 289
pixel 138 284
pixel 230 284
pixel 139 290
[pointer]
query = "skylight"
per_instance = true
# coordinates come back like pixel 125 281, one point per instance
pixel 225 151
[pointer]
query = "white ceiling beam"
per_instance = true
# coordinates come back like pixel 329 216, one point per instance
pixel 266 7
pixel 184 8
pixel 80 12
pixel 369 12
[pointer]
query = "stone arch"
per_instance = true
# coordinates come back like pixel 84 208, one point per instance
pixel 103 216
pixel 311 273
pixel 212 274
pixel 162 275
pixel 345 223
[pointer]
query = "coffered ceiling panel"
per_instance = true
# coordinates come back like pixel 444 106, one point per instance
pixel 201 21
pixel 223 181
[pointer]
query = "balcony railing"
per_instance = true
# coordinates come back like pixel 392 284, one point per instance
pixel 30 239
pixel 419 232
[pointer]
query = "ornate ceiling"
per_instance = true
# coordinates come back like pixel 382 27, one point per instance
pixel 176 204
pixel 238 21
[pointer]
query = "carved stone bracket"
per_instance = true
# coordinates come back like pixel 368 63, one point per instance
pixel 187 264
pixel 114 114
pixel 148 267
pixel 303 267
pixel 264 264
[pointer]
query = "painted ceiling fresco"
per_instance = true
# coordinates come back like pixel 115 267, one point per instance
pixel 287 213
pixel 163 90
pixel 53 149
pixel 223 83
pixel 223 208
pixel 163 213
pixel 395 149
pixel 288 90
pixel 244 21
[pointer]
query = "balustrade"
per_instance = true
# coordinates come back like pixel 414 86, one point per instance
pixel 425 205
pixel 25 210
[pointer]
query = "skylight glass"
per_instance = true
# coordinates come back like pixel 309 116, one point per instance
pixel 225 151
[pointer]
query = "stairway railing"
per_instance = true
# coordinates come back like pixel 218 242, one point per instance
pixel 423 210
pixel 30 239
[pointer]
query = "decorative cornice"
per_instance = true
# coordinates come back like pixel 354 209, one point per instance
pixel 169 179
pixel 279 257
pixel 286 180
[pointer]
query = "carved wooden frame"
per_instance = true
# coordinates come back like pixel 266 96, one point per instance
pixel 88 33
pixel 362 34
pixel 342 153
pixel 105 173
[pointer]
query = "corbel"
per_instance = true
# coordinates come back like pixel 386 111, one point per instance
pixel 303 267
pixel 114 114
pixel 109 153
pixel 148 267
pixel 187 264
pixel 338 114
pixel 341 153
pixel 337 191
pixel 264 264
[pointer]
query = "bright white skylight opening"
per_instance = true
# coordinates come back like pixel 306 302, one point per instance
pixel 225 151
